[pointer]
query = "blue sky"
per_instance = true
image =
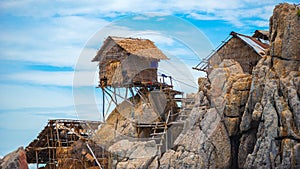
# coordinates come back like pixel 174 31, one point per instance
pixel 42 44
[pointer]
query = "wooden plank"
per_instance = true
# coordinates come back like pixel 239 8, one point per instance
pixel 155 134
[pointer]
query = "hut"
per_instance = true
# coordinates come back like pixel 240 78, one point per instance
pixel 247 50
pixel 124 62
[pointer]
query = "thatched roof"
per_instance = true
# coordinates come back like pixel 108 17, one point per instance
pixel 135 46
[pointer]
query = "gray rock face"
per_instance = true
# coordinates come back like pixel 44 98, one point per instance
pixel 133 154
pixel 284 32
pixel 272 111
pixel 259 123
pixel 271 118
pixel 204 145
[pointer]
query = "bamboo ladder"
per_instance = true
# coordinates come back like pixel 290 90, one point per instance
pixel 159 135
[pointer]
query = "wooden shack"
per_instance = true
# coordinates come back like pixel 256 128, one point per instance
pixel 247 50
pixel 54 144
pixel 125 62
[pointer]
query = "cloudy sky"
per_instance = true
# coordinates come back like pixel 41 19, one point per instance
pixel 46 48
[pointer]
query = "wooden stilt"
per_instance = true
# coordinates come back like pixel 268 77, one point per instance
pixel 37 159
pixel 103 105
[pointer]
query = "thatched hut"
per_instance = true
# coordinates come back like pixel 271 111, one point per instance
pixel 125 62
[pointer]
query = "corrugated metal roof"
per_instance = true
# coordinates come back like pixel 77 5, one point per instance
pixel 258 46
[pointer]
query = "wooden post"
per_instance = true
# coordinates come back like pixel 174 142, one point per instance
pixel 103 105
pixel 171 81
pixel 126 93
pixel 57 133
pixel 37 159
pixel 115 94
pixel 52 142
pixel 49 151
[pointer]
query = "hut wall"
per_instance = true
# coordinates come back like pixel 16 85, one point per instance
pixel 110 71
pixel 238 50
pixel 139 69
pixel 131 69
pixel 110 66
pixel 146 76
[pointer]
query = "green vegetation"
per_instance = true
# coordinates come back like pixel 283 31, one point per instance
pixel 298 12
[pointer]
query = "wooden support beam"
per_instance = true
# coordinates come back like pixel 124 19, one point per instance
pixel 37 159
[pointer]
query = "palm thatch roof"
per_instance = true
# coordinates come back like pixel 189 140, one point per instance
pixel 134 46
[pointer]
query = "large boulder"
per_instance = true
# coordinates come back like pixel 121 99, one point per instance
pixel 133 154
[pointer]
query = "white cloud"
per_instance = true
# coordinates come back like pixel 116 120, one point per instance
pixel 34 118
pixel 202 16
pixel 181 52
pixel 157 37
pixel 15 96
pixel 139 17
pixel 230 10
pixel 57 78
pixel 260 23
pixel 57 42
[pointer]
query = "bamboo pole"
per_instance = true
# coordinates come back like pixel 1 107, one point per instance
pixel 37 159
pixel 88 146
pixel 103 105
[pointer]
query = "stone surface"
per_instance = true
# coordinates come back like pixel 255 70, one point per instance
pixel 133 154
pixel 14 160
pixel 218 79
pixel 284 32
pixel 271 118
pixel 259 113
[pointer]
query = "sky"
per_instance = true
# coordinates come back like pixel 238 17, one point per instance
pixel 46 48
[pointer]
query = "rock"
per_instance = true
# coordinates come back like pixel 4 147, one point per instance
pixel 284 32
pixel 232 125
pixel 218 78
pixel 205 144
pixel 154 164
pixel 133 149
pixel 133 154
pixel 296 156
pixel 271 117
pixel 247 143
pixel 15 160
pixel 203 84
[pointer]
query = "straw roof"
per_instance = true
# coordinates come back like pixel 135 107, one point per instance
pixel 135 46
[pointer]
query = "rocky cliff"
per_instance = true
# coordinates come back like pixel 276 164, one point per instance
pixel 250 121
